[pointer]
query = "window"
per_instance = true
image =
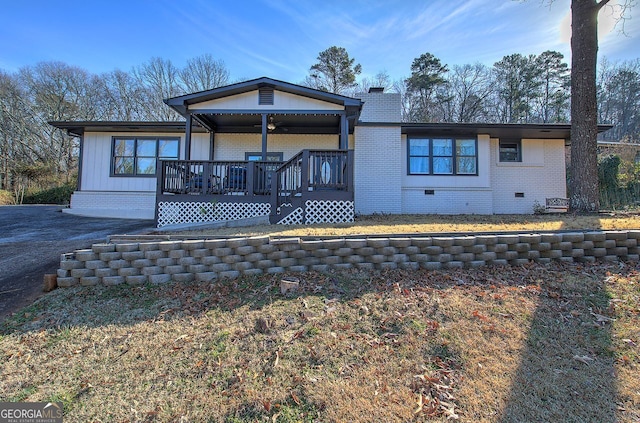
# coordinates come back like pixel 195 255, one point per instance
pixel 419 156
pixel 137 156
pixel 442 156
pixel 466 157
pixel 510 151
pixel 257 157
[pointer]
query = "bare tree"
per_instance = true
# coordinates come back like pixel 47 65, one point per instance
pixel 464 97
pixel 400 86
pixel 57 91
pixel 380 80
pixel 618 92
pixel 13 143
pixel 203 73
pixel 159 79
pixel 123 96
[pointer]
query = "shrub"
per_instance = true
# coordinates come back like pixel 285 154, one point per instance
pixel 6 198
pixel 56 195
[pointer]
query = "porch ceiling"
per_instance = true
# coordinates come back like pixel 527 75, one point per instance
pixel 286 123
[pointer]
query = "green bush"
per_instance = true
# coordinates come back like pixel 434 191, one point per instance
pixel 56 195
pixel 615 195
pixel 6 198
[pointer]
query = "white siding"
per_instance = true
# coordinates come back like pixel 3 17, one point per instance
pixel 200 146
pixel 540 175
pixel 378 169
pixel 96 164
pixel 281 101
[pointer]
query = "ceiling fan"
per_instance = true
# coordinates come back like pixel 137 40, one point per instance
pixel 271 125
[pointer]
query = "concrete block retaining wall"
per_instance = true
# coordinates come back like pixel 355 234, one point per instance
pixel 207 260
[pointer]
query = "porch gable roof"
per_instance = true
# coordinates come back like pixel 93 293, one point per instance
pixel 181 103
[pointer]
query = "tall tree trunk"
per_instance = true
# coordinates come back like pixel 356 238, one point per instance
pixel 583 170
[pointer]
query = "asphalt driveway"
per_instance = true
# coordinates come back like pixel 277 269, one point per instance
pixel 32 239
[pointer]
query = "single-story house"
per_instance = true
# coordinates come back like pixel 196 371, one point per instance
pixel 299 155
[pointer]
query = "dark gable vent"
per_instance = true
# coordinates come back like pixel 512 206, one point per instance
pixel 265 96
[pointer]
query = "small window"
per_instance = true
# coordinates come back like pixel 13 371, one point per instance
pixel 257 157
pixel 265 96
pixel 138 156
pixel 510 151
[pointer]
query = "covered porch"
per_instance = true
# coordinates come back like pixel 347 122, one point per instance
pixel 274 149
pixel 193 191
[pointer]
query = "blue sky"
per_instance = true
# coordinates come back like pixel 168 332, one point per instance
pixel 281 39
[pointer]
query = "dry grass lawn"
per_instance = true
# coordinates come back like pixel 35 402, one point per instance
pixel 504 344
pixel 409 224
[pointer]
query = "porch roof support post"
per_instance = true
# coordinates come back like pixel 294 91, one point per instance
pixel 187 139
pixel 264 137
pixel 211 144
pixel 344 132
pixel 160 177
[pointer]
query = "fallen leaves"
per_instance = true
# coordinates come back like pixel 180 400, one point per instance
pixel 601 318
pixel 479 316
pixel 585 359
pixel 434 389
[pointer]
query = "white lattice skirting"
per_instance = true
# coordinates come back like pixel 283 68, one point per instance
pixel 321 211
pixel 293 218
pixel 325 211
pixel 171 213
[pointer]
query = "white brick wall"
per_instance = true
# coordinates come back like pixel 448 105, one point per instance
pixel 130 205
pixel 377 169
pixel 380 107
pixel 540 175
pixel 447 201
pixel 452 194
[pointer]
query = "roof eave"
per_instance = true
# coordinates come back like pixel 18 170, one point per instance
pixel 181 103
pixel 78 128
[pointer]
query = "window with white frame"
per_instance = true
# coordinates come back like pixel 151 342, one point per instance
pixel 510 151
pixel 137 156
pixel 442 156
